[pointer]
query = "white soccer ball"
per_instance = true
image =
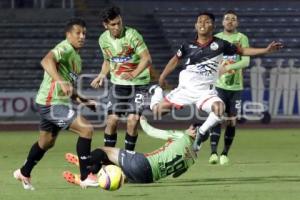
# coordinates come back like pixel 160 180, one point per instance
pixel 110 177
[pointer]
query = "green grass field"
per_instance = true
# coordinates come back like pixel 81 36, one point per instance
pixel 265 165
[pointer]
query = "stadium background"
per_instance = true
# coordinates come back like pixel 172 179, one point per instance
pixel 29 28
pixel 264 162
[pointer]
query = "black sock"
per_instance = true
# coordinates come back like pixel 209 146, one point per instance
pixel 130 142
pixel 214 138
pixel 34 156
pixel 99 157
pixel 110 140
pixel 84 154
pixel 228 139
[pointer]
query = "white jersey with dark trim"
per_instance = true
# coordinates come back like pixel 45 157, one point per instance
pixel 201 62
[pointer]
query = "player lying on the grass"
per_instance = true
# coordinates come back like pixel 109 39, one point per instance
pixel 61 65
pixel 175 157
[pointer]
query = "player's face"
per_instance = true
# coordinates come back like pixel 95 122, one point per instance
pixel 204 25
pixel 230 23
pixel 115 26
pixel 76 36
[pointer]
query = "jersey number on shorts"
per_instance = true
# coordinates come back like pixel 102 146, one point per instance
pixel 139 99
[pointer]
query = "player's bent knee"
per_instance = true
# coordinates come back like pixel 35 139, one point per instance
pixel 218 108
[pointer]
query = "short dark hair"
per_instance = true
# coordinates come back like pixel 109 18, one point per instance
pixel 110 13
pixel 210 15
pixel 74 21
pixel 230 12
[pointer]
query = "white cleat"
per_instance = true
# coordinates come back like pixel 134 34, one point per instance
pixel 26 181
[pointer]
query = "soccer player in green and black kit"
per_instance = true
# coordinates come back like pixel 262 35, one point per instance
pixel 229 87
pixel 62 65
pixel 175 157
pixel 127 59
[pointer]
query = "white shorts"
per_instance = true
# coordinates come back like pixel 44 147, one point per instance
pixel 202 98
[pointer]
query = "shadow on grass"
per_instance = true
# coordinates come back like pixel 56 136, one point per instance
pixel 222 181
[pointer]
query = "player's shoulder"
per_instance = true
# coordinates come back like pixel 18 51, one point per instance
pixel 104 35
pixel 131 32
pixel 64 46
pixel 217 39
pixel 242 35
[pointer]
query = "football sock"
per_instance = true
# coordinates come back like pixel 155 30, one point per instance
pixel 110 140
pixel 99 157
pixel 228 138
pixel 34 156
pixel 211 120
pixel 84 155
pixel 130 142
pixel 214 138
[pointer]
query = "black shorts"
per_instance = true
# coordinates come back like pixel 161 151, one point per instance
pixel 232 101
pixel 135 166
pixel 55 117
pixel 124 99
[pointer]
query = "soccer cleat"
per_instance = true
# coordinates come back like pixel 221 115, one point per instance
pixel 198 140
pixel 72 158
pixel 224 160
pixel 90 181
pixel 213 159
pixel 26 181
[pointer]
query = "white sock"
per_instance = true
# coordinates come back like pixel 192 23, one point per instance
pixel 156 97
pixel 211 121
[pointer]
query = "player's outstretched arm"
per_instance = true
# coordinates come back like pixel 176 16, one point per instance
pixel 153 132
pixel 271 48
pixel 50 66
pixel 173 62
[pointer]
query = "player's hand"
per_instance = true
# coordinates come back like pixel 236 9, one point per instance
pixel 222 69
pixel 98 81
pixel 66 87
pixel 274 46
pixel 162 82
pixel 127 76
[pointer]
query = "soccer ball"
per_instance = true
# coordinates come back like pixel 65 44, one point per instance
pixel 110 177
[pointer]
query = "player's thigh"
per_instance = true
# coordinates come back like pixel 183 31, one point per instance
pixel 235 103
pixel 180 97
pixel 61 116
pixel 112 154
pixel 82 126
pixel 207 102
pixel 136 102
pixel 118 99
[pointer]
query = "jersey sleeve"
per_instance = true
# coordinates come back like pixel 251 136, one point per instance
pixel 245 60
pixel 104 48
pixel 229 48
pixel 158 133
pixel 181 52
pixel 61 52
pixel 138 43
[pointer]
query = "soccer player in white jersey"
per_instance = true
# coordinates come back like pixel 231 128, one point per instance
pixel 202 60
